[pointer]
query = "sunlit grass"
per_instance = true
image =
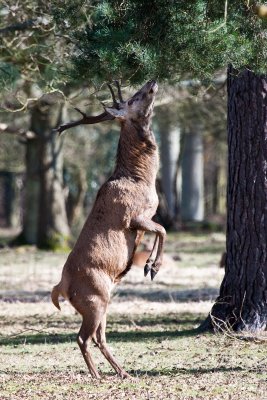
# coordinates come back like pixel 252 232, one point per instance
pixel 152 329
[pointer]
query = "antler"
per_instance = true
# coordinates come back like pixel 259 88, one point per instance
pixel 105 116
pixel 119 91
pixel 86 119
pixel 115 102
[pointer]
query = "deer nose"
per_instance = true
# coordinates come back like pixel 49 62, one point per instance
pixel 153 86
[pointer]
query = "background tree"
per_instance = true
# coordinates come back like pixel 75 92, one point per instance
pixel 29 61
pixel 167 125
pixel 203 122
pixel 186 108
pixel 192 201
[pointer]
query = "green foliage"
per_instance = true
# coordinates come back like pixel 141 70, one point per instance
pixel 135 40
pixel 132 40
pixel 8 75
pixel 30 50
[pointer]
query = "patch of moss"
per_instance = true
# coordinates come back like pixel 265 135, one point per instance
pixel 55 242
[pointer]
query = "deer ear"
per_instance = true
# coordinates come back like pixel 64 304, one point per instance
pixel 119 114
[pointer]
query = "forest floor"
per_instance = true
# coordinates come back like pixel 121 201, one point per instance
pixel 151 329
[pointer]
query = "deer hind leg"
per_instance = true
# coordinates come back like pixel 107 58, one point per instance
pixel 100 341
pixel 92 315
pixel 147 225
pixel 84 338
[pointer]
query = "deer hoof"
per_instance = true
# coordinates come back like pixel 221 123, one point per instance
pixel 153 273
pixel 124 375
pixel 147 269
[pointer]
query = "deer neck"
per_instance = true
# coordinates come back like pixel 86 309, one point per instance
pixel 137 153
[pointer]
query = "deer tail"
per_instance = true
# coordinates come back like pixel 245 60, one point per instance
pixel 55 294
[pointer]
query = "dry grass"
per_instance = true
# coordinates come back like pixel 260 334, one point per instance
pixel 151 328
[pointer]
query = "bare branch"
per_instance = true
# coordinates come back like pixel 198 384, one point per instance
pixel 81 112
pixel 22 108
pixel 20 26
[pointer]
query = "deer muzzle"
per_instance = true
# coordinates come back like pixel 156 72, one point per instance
pixel 152 87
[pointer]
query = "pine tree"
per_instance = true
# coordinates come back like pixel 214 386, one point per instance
pixel 169 40
pixel 242 302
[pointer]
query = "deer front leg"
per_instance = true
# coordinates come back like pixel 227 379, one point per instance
pixel 145 224
pixel 150 259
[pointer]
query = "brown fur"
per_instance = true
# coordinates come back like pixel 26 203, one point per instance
pixel 121 214
pixel 140 257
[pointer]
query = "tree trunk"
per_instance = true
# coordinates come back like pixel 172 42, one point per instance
pixel 75 199
pixel 215 177
pixel 45 219
pixel 32 192
pixel 170 148
pixel 192 202
pixel 242 302
pixel 10 199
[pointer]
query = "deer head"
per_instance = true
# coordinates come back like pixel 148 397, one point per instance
pixel 137 109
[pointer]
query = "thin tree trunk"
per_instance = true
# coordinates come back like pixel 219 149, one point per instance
pixel 242 302
pixel 32 193
pixel 75 201
pixel 192 202
pixel 10 199
pixel 170 148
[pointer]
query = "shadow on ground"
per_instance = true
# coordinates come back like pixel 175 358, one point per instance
pixel 23 296
pixel 130 336
pixel 165 294
pixel 185 371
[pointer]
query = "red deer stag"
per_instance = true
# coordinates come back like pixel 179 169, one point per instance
pixel 121 214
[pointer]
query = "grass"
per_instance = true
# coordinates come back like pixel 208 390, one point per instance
pixel 152 329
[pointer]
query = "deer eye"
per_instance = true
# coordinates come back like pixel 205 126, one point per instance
pixel 130 102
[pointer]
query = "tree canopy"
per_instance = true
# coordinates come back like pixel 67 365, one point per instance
pixel 170 40
pixel 93 41
pixel 31 50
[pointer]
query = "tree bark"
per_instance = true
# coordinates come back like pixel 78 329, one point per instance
pixel 32 193
pixel 170 148
pixel 75 199
pixel 10 199
pixel 45 219
pixel 242 302
pixel 192 202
